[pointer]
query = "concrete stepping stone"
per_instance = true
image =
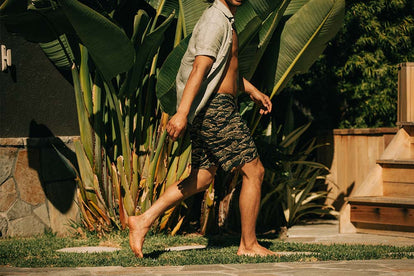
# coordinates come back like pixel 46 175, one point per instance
pixel 88 249
pixel 185 247
pixel 288 253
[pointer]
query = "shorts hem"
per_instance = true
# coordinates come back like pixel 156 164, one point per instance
pixel 242 162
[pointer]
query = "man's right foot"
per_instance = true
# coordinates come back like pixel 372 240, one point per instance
pixel 255 250
pixel 137 231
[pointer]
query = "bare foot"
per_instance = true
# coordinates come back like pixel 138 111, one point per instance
pixel 255 250
pixel 137 231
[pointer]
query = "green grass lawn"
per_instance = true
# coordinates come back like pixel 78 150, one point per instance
pixel 41 251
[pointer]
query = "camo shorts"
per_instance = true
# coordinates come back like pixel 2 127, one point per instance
pixel 220 137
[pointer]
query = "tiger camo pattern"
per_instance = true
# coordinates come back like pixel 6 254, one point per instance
pixel 220 137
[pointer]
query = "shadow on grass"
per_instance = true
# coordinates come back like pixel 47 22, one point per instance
pixel 213 242
pixel 155 254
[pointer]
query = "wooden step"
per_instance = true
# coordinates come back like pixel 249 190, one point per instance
pixel 398 163
pixel 382 213
pixel 382 200
pixel 397 177
pixel 397 189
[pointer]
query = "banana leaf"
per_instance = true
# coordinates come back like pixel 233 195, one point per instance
pixel 191 11
pixel 85 83
pixel 125 195
pixel 300 41
pixel 85 127
pixel 294 6
pixel 43 25
pixel 165 87
pixel 146 47
pixel 59 52
pixel 168 6
pixel 13 7
pixel 263 39
pixel 250 9
pixel 108 45
pixel 99 152
pixel 86 173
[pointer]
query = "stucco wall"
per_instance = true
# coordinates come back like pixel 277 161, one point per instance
pixel 33 91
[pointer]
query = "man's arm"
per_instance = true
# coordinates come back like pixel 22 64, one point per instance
pixel 258 97
pixel 178 122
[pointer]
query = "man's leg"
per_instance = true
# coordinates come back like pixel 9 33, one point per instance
pixel 198 181
pixel 249 203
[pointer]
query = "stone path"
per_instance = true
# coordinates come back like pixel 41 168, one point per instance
pixel 326 232
pixel 315 232
pixel 371 267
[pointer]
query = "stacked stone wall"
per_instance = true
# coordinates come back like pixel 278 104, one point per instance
pixel 37 187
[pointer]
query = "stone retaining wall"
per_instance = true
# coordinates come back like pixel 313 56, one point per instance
pixel 37 188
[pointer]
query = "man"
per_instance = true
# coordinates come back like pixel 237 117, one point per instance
pixel 207 84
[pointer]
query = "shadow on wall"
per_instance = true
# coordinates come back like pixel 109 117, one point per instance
pixel 340 199
pixel 56 177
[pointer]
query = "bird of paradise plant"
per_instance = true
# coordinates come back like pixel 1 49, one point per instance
pixel 125 159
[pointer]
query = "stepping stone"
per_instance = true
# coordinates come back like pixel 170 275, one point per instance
pixel 88 249
pixel 288 253
pixel 185 247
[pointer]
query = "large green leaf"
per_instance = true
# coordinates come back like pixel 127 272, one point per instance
pixel 250 9
pixel 166 78
pixel 301 40
pixel 141 27
pixel 86 173
pixel 145 48
pixel 43 25
pixel 13 6
pixel 251 55
pixel 168 6
pixel 109 47
pixel 85 127
pixel 294 6
pixel 191 11
pixel 59 52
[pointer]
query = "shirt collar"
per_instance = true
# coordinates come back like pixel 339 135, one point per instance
pixel 219 5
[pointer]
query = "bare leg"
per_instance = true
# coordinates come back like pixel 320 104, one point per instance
pixel 198 181
pixel 249 203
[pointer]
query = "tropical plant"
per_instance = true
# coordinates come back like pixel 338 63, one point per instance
pixel 122 155
pixel 125 160
pixel 294 181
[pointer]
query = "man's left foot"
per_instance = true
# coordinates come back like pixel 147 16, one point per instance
pixel 137 231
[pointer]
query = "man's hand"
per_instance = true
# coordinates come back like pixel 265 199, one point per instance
pixel 176 125
pixel 263 101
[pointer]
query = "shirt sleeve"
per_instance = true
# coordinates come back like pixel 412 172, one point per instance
pixel 209 37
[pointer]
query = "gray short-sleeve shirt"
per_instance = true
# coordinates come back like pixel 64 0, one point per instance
pixel 212 36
